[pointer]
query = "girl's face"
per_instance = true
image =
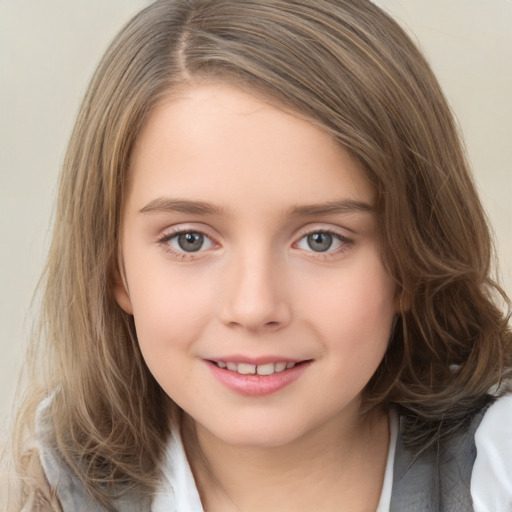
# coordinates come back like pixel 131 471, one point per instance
pixel 253 273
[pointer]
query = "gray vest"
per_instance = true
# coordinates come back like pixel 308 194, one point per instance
pixel 439 479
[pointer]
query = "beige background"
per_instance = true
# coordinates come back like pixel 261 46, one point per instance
pixel 49 48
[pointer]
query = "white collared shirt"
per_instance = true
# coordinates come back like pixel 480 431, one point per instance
pixel 491 480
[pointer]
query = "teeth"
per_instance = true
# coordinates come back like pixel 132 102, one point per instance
pixel 246 369
pixel 251 369
pixel 280 367
pixel 266 369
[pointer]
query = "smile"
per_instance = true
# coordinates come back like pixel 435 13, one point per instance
pixel 253 369
pixel 252 379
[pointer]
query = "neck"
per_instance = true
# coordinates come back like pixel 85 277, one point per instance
pixel 337 467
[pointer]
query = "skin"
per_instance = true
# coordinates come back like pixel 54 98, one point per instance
pixel 256 288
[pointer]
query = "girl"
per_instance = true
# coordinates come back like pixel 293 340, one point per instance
pixel 268 287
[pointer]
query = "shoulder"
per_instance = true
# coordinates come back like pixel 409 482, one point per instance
pixel 491 480
pixel 471 471
pixel 72 493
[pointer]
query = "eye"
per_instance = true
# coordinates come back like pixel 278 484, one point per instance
pixel 321 241
pixel 189 241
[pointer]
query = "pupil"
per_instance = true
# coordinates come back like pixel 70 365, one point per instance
pixel 320 242
pixel 190 242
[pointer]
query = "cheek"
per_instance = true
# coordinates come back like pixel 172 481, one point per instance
pixel 169 310
pixel 355 311
pixel 169 318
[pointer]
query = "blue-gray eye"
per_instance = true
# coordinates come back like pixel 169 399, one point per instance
pixel 190 241
pixel 321 241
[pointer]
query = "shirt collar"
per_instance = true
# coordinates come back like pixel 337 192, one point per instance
pixel 177 491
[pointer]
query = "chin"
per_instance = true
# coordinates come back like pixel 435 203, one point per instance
pixel 257 434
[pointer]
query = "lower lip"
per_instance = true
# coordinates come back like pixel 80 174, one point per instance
pixel 257 385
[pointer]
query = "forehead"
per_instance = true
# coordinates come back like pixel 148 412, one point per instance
pixel 217 142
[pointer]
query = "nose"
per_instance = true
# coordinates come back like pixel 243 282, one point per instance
pixel 254 294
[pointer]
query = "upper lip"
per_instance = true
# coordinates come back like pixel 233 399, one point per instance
pixel 256 360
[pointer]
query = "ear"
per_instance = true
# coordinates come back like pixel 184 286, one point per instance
pixel 122 296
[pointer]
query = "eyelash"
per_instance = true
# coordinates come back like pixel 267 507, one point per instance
pixel 182 255
pixel 165 239
pixel 344 241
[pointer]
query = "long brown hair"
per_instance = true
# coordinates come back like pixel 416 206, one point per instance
pixel 346 66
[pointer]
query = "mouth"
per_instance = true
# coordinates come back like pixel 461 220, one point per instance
pixel 257 377
pixel 257 369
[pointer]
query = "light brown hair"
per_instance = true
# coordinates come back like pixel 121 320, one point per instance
pixel 346 66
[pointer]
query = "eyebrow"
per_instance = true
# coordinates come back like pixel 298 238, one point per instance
pixel 169 205
pixel 331 207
